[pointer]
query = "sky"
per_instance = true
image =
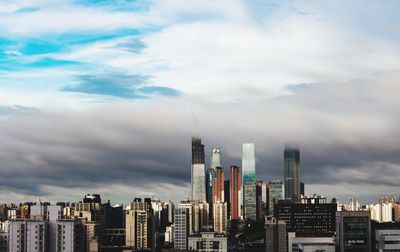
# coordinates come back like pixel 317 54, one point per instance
pixel 104 96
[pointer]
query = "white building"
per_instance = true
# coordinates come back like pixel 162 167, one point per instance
pixel 310 244
pixel 169 234
pixel 387 240
pixel 208 242
pixel 220 217
pixel 181 231
pixel 28 236
pixel 4 235
pixel 69 236
pixel 381 212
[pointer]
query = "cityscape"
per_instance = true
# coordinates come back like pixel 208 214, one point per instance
pixel 199 125
pixel 226 212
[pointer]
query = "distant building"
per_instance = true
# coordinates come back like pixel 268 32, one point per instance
pixel 259 204
pixel 208 241
pixel 210 176
pixel 292 173
pixel 353 230
pixel 235 192
pixel 227 197
pixel 218 185
pixel 181 232
pixel 220 217
pixel 274 193
pixel 198 172
pixel 169 234
pixel 275 230
pixel 249 181
pixel 382 212
pixel 4 234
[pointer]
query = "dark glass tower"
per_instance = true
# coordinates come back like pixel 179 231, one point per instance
pixel 292 173
pixel 197 151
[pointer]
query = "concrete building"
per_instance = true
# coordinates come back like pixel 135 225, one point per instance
pixel 275 230
pixel 220 217
pixel 182 229
pixel 353 231
pixel 198 214
pixel 70 236
pixel 28 236
pixel 138 226
pixel 387 240
pixel 169 234
pixel 310 244
pixel 208 242
pixel 4 234
pixel 382 212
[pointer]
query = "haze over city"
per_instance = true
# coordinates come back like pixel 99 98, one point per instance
pixel 104 96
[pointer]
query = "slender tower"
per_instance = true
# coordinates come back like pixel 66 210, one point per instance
pixel 291 157
pixel 249 181
pixel 198 170
pixel 235 189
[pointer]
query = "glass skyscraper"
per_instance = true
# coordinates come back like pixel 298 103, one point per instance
pixel 249 182
pixel 215 158
pixel 274 193
pixel 292 173
pixel 198 170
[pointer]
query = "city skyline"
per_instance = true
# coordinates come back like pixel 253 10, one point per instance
pixel 109 107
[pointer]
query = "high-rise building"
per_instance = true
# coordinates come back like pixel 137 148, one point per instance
pixel 218 185
pixel 274 193
pixel 275 231
pixel 70 236
pixel 315 244
pixel 249 182
pixel 227 196
pixel 139 226
pixel 4 234
pixel 182 230
pixel 309 217
pixel 198 214
pixel 292 173
pixel 29 235
pixel 235 192
pixel 259 204
pixel 353 229
pixel 198 170
pixel 220 217
pixel 210 176
pixel 215 158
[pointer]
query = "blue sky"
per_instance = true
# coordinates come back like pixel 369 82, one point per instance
pixel 99 75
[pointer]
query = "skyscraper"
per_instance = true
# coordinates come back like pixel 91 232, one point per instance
pixel 210 176
pixel 292 173
pixel 274 193
pixel 218 185
pixel 235 189
pixel 249 182
pixel 215 158
pixel 181 228
pixel 259 208
pixel 198 170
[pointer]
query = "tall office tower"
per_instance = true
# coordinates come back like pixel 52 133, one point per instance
pixel 29 235
pixel 70 236
pixel 182 230
pixel 227 196
pixel 309 217
pixel 249 182
pixel 292 173
pixel 138 226
pixel 235 190
pixel 210 176
pixel 259 204
pixel 198 170
pixel 220 217
pixel 353 229
pixel 218 185
pixel 215 158
pixel 112 224
pixel 302 188
pixel 274 193
pixel 167 214
pixel 275 231
pixel 198 214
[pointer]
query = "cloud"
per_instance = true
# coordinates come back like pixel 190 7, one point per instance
pixel 119 85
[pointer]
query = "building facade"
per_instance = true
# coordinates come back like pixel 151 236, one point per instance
pixel 249 181
pixel 198 170
pixel 291 157
pixel 181 230
pixel 235 192
pixel 274 192
pixel 353 231
pixel 275 230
